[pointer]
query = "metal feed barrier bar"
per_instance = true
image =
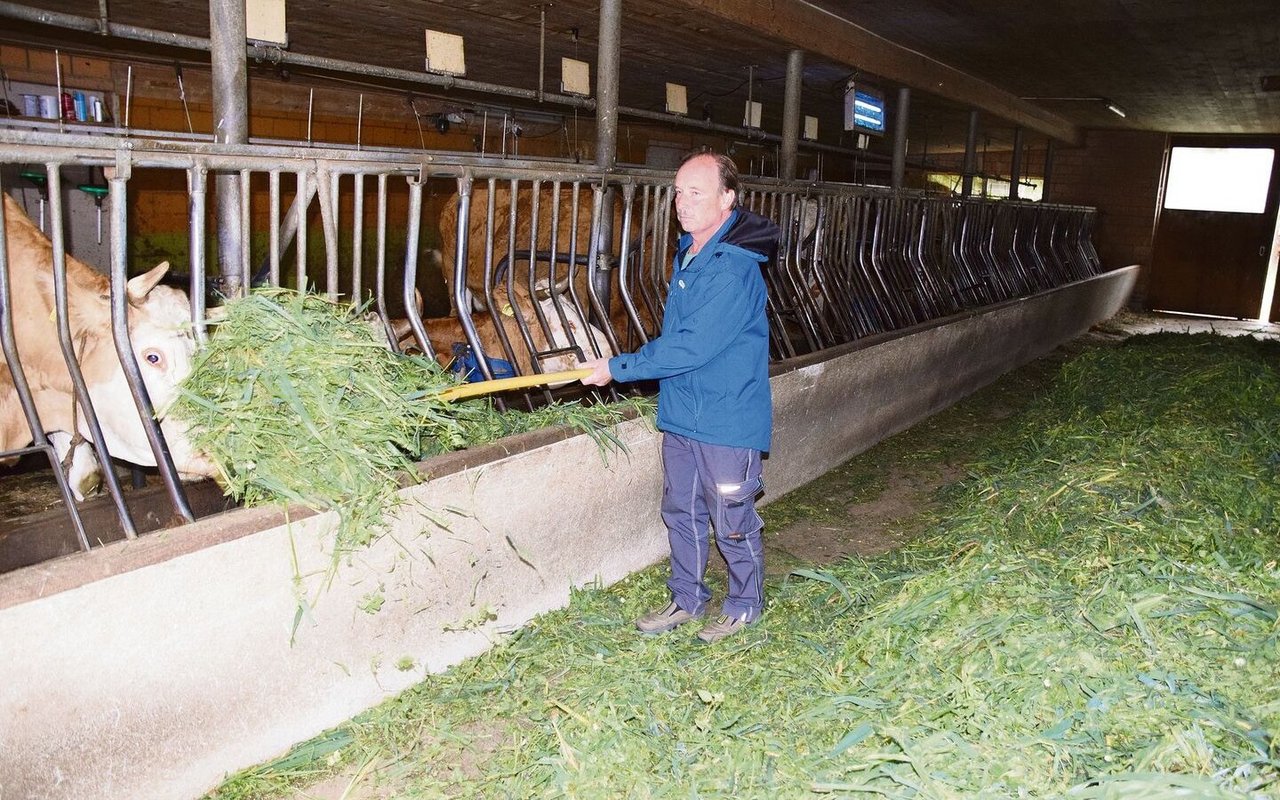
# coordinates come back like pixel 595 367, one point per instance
pixel 545 247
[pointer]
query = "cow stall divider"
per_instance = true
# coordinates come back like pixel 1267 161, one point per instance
pixel 531 285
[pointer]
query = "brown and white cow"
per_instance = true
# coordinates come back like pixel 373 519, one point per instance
pixel 160 332
pixel 572 235
pixel 551 341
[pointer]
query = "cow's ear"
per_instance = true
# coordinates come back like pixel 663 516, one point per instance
pixel 140 286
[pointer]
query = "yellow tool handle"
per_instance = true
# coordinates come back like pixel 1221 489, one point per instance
pixel 504 384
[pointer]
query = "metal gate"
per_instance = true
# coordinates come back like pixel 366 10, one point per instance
pixel 545 261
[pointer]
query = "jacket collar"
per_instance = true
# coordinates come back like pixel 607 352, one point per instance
pixel 686 241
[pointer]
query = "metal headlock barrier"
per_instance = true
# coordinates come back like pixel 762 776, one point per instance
pixel 546 263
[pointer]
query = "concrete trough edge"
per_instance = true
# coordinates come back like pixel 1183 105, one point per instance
pixel 154 668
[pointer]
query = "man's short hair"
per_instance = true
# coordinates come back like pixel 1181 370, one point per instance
pixel 729 179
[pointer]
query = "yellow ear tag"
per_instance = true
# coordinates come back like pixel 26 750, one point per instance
pixel 53 315
pixel 508 310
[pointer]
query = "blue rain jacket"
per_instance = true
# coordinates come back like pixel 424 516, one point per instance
pixel 711 359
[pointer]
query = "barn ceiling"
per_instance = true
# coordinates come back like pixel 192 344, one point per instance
pixel 1170 65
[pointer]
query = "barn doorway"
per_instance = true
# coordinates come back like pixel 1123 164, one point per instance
pixel 1215 243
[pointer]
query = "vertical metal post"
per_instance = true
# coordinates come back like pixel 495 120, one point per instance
pixel 26 401
pixel 227 33
pixel 197 198
pixel 118 181
pixel 607 66
pixel 970 155
pixel 791 115
pixel 61 310
pixel 1048 170
pixel 607 60
pixel 542 47
pixel 901 118
pixel 1015 165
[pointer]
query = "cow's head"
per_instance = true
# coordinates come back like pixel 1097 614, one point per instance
pixel 566 327
pixel 160 332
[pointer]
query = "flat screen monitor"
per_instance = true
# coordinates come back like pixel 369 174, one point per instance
pixel 863 109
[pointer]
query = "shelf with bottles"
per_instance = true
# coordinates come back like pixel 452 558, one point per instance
pixel 44 101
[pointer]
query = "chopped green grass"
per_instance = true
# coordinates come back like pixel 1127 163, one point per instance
pixel 1091 613
pixel 297 399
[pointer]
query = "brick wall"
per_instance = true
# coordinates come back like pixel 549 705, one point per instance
pixel 1119 173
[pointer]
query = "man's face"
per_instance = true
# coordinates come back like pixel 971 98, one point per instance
pixel 701 204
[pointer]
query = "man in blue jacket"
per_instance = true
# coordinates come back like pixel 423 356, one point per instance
pixel 714 408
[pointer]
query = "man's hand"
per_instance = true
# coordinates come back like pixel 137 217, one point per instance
pixel 600 374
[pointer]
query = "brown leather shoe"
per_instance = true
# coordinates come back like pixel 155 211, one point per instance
pixel 722 627
pixel 665 619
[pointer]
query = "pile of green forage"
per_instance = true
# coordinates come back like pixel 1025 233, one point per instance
pixel 1091 613
pixel 297 399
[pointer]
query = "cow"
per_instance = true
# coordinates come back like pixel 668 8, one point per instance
pixel 646 282
pixel 160 333
pixel 526 332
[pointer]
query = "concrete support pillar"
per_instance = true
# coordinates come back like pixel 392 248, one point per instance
pixel 791 114
pixel 901 118
pixel 231 126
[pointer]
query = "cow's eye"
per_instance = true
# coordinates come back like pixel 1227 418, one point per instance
pixel 153 357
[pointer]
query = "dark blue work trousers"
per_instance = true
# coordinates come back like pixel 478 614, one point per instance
pixel 704 487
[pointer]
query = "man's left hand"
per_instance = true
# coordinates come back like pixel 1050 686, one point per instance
pixel 600 374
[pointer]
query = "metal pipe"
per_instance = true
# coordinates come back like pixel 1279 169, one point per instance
pixel 542 48
pixel 791 115
pixel 601 270
pixel 410 284
pixel 751 134
pixel 357 239
pixel 246 193
pixel 197 198
pixel 607 67
pixel 381 270
pixel 274 55
pixel 327 192
pixel 230 80
pixel 970 155
pixel 1015 164
pixel 307 189
pixel 9 348
pixel 124 349
pixel 903 115
pixel 273 228
pixel 1046 179
pixel 53 174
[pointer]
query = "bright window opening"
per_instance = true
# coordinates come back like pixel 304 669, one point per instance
pixel 1219 179
pixel 1029 189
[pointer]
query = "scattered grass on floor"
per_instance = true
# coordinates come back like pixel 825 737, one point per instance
pixel 1092 613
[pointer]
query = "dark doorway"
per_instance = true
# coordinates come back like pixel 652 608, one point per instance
pixel 1213 243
